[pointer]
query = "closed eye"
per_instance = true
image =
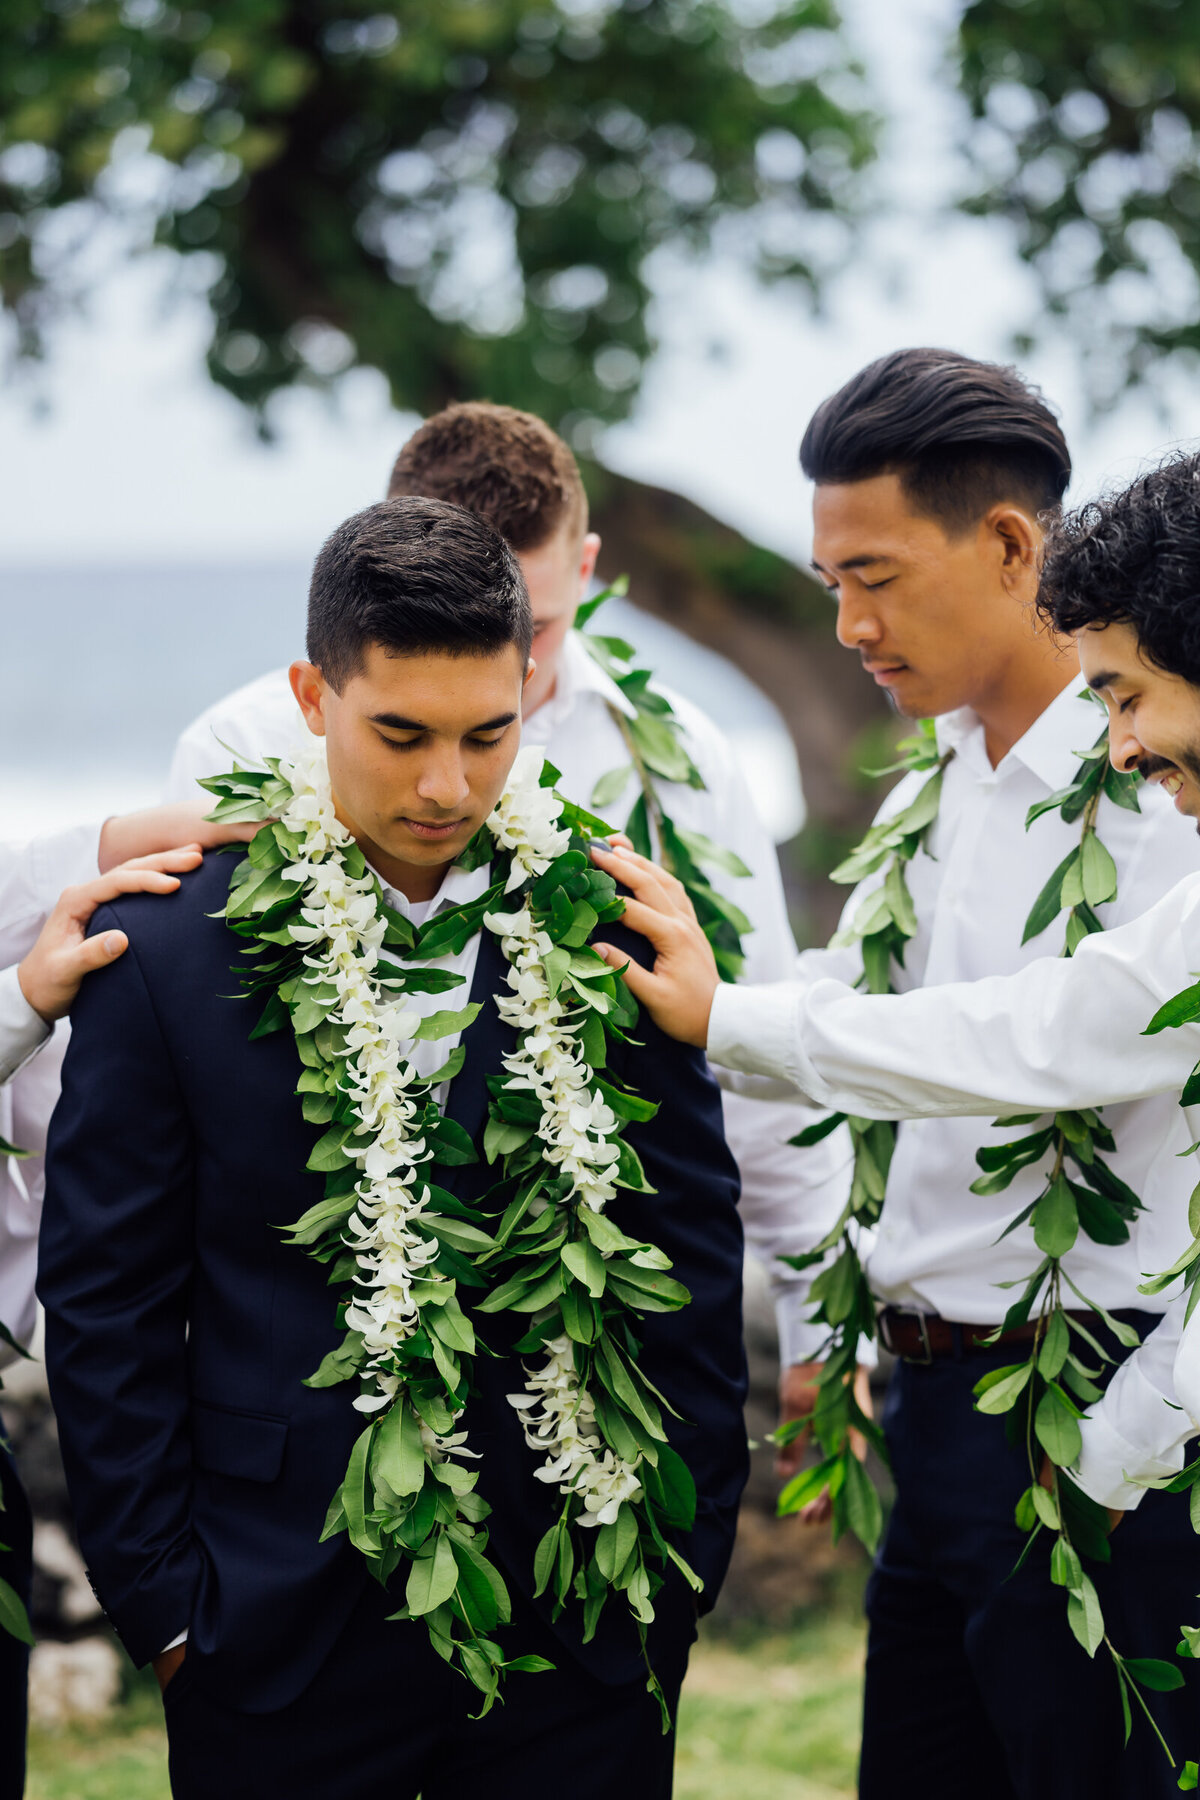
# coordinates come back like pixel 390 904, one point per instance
pixel 872 585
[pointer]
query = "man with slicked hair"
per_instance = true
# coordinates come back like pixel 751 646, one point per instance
pixel 935 479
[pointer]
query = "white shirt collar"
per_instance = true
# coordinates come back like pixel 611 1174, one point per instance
pixel 579 674
pixel 459 887
pixel 1048 749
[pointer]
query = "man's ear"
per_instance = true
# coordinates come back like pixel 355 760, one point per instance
pixel 530 670
pixel 308 685
pixel 589 551
pixel 1018 538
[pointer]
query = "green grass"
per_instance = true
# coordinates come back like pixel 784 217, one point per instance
pixel 774 1716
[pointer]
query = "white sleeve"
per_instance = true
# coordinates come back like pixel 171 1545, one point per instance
pixel 1139 1429
pixel 1057 1034
pixel 22 1031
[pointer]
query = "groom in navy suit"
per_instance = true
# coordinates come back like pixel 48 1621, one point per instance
pixel 181 1326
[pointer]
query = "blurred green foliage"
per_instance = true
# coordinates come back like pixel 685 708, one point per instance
pixel 462 193
pixel 1086 117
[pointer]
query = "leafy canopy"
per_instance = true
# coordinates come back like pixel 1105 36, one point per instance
pixel 1085 137
pixel 462 193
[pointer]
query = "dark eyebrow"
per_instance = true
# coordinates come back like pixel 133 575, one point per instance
pixel 393 722
pixel 853 562
pixel 1104 679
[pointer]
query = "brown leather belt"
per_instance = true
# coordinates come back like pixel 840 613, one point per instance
pixel 922 1337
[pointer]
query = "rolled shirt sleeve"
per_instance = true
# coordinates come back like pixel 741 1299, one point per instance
pixel 22 1030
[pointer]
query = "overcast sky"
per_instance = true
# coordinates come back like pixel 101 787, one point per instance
pixel 139 460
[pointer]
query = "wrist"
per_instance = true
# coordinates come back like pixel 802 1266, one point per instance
pixel 34 992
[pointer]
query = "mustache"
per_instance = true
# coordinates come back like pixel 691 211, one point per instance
pixel 1149 767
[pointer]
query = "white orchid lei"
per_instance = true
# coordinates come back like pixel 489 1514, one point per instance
pixel 337 965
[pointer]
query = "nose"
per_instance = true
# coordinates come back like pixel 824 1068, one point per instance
pixel 443 780
pixel 1125 751
pixel 857 626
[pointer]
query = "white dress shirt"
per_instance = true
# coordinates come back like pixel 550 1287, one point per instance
pixel 31 878
pixel 944 1053
pixel 789 1198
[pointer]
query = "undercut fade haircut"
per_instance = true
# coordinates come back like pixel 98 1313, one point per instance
pixel 414 576
pixel 1133 559
pixel 961 436
pixel 506 465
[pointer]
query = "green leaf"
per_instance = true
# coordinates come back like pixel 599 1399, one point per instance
pixel 1084 1615
pixel 1056 1218
pixel 13 1617
pixel 587 1265
pixel 398 1455
pixel 1057 1428
pixel 1051 900
pixel 432 1578
pixel 808 1485
pixel 1183 1009
pixel 1151 1672
pixel 1000 1389
pixel 1055 1344
pixel 446 1023
pixel 1189 1776
pixel 1046 1507
pixel 813 1134
pixel 1066 1570
pixel 861 1503
pixel 610 787
pixel 1098 871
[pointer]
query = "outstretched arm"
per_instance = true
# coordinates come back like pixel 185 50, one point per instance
pixel 1057 1035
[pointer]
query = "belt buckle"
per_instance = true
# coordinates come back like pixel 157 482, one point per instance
pixel 923 1361
pixel 926 1361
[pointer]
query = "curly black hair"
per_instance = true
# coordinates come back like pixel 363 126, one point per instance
pixel 1133 559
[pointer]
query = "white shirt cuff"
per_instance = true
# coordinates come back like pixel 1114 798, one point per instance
pixel 1108 1459
pixel 752 1030
pixel 174 1643
pixel 22 1030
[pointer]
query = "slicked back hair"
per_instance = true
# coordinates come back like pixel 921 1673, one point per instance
pixel 506 465
pixel 961 435
pixel 414 576
pixel 1133 558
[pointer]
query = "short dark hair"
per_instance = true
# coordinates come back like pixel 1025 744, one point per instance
pixel 1133 559
pixel 960 434
pixel 414 575
pixel 506 465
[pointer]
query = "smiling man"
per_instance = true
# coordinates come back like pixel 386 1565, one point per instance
pixel 934 477
pixel 183 1327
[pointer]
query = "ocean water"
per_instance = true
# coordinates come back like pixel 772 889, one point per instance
pixel 102 668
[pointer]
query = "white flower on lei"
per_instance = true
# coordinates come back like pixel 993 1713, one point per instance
pixel 560 1421
pixel 525 820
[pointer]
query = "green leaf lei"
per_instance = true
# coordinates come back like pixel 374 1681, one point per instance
pixel 555 1134
pixel 1039 1397
pixel 658 751
pixel 882 924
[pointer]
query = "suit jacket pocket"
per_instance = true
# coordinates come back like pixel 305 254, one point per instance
pixel 247 1445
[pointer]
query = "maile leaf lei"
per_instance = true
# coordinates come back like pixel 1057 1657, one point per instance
pixel 658 752
pixel 336 964
pixel 882 924
pixel 1040 1397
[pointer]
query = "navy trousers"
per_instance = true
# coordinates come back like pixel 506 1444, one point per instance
pixel 975 1685
pixel 16 1566
pixel 386 1716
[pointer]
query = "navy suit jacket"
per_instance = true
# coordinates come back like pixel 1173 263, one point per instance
pixel 180 1326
